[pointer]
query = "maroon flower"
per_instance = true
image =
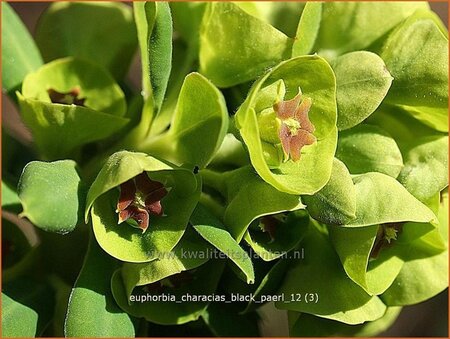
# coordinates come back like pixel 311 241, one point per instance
pixel 68 98
pixel 296 128
pixel 139 198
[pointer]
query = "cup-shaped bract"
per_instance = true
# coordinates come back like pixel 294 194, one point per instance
pixel 137 224
pixel 68 103
pixel 236 47
pixel 288 124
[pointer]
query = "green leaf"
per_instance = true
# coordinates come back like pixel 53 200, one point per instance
pixel 20 55
pixel 287 234
pixel 92 311
pixel 335 203
pixel 354 26
pixel 419 280
pixel 425 272
pixel 354 246
pixel 381 199
pixel 315 78
pixel 128 243
pixel 198 127
pixel 190 252
pixel 154 26
pixel 345 302
pixel 416 55
pixel 204 283
pixel 269 283
pixel 103 33
pixel 362 82
pixel 376 271
pixel 236 47
pixel 216 234
pixel 59 129
pixel 368 148
pixel 200 122
pixel 52 195
pixel 308 29
pixel 426 167
pixel 187 18
pixel 310 326
pixel 249 198
pixel 27 308
pixel 283 15
pixel 160 51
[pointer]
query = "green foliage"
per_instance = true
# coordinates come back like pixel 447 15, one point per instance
pixel 362 82
pixel 20 55
pixel 308 28
pixel 58 129
pixel 101 32
pixel 346 302
pixel 423 90
pixel 315 78
pixel 289 232
pixel 367 148
pixel 92 311
pixel 335 203
pixel 309 326
pixel 127 243
pixel 381 199
pixel 170 312
pixel 228 61
pixel 29 301
pixel 362 24
pixel 52 195
pixel 198 126
pixel 275 151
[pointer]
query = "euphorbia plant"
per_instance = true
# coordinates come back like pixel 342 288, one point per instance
pixel 286 152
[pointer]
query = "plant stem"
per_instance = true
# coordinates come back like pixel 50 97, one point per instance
pixel 215 180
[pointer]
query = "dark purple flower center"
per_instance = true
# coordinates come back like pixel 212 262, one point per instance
pixel 296 128
pixel 68 98
pixel 139 198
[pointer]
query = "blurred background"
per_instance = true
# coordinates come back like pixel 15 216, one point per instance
pixel 428 319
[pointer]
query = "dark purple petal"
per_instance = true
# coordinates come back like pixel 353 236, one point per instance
pixel 269 224
pixel 146 185
pixel 140 215
pixel 127 194
pixel 286 109
pixel 301 115
pixel 303 138
pixel 67 98
pixel 285 137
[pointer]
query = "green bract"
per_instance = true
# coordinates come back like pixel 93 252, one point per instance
pixel 105 318
pixel 314 77
pixel 367 148
pixel 81 24
pixel 169 312
pixel 335 203
pixel 128 243
pixel 346 302
pixel 370 22
pixel 423 90
pixel 228 61
pixel 43 201
pixel 198 126
pixel 21 55
pixel 59 127
pixel 362 83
